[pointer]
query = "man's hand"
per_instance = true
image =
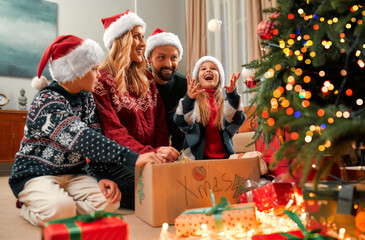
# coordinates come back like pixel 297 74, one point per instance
pixel 149 157
pixel 168 153
pixel 114 192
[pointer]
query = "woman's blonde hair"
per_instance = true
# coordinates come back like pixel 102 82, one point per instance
pixel 204 106
pixel 127 74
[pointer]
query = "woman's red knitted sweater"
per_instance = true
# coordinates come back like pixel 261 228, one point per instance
pixel 130 120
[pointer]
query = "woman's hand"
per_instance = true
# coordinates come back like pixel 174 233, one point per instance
pixel 114 192
pixel 149 157
pixel 168 153
pixel 232 82
pixel 193 90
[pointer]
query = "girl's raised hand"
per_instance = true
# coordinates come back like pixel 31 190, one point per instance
pixel 193 90
pixel 232 82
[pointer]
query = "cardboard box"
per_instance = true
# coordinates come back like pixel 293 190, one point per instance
pixel 164 191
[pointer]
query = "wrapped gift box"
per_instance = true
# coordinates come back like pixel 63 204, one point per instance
pixel 269 196
pixel 235 218
pixel 99 225
pixel 334 206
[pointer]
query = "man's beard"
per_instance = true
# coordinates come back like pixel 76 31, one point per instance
pixel 162 76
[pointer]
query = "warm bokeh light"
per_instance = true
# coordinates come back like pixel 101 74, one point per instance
pixel 307 79
pixel 309 133
pixel 291 16
pixel 305 103
pixel 338 114
pixel 276 93
pixel 330 120
pixel 361 63
pixel 265 114
pixel 327 144
pixel 320 112
pixel 359 102
pixel 289 111
pixel 270 122
pixel 289 87
pixel 316 27
pixel 308 95
pixel 324 89
pixel 298 71
pixel 294 135
pixel 343 72
pixel 349 92
pixel 308 61
pixel 291 80
pixel 322 73
pixel 346 114
pixel 308 139
pixel 285 103
pixel 321 148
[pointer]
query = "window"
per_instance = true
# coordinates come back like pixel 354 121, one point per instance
pixel 229 45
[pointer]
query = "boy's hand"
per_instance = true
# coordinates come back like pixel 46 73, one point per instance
pixel 232 82
pixel 193 90
pixel 113 192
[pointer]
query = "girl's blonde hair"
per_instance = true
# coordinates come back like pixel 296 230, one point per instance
pixel 118 62
pixel 204 106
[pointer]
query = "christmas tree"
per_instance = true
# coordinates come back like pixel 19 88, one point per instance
pixel 312 81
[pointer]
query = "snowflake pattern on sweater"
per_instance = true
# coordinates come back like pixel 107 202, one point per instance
pixel 61 130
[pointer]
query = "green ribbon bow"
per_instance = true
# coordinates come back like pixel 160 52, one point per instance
pixel 75 231
pixel 216 210
pixel 312 235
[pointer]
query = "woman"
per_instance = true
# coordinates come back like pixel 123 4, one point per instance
pixel 130 109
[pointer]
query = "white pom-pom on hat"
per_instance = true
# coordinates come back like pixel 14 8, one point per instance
pixel 39 83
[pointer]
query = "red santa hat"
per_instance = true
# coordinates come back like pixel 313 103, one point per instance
pixel 209 59
pixel 161 38
pixel 69 57
pixel 115 26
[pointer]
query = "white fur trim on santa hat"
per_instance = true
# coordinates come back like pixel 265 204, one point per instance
pixel 120 26
pixel 163 39
pixel 39 83
pixel 77 62
pixel 209 59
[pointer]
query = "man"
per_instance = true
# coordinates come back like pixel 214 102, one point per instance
pixel 163 53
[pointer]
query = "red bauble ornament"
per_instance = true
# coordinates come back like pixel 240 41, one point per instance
pixel 250 82
pixel 265 29
pixel 274 15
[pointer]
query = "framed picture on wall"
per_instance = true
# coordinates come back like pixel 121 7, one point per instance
pixel 27 28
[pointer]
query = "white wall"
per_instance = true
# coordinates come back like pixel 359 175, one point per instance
pixel 82 18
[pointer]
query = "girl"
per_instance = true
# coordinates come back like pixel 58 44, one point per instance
pixel 208 121
pixel 130 109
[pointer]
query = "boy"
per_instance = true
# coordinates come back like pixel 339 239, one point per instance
pixel 60 132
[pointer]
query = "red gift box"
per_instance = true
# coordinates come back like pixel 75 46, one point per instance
pixel 269 196
pixel 288 235
pixel 304 233
pixel 96 226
